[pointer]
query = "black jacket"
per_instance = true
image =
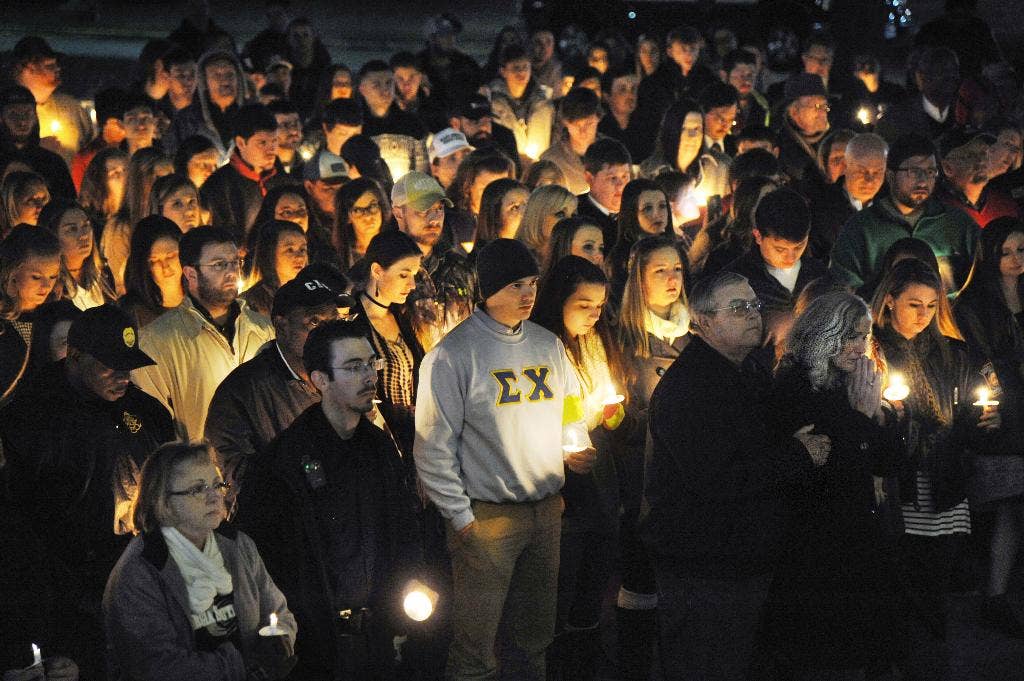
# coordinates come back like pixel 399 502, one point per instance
pixel 608 224
pixel 336 527
pixel 235 200
pixel 395 122
pixel 830 209
pixel 832 603
pixel 251 407
pixel 72 459
pixel 50 166
pixel 717 474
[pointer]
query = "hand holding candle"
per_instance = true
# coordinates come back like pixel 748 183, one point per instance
pixel 897 390
pixel 983 399
pixel 273 629
pixel 577 456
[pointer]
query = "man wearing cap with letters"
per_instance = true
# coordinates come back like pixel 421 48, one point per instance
pixel 74 440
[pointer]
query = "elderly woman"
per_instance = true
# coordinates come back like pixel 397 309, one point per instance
pixel 831 607
pixel 187 598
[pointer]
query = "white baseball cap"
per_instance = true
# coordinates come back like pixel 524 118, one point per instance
pixel 447 142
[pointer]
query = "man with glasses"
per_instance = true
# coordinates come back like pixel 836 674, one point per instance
pixel 802 127
pixel 263 396
pixel 720 103
pixel 328 506
pixel 909 210
pixel 235 191
pixel 965 178
pixel 74 441
pixel 715 486
pixel 836 203
pixel 289 136
pixel 197 344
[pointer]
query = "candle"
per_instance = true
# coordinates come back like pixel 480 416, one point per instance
pixel 700 197
pixel 273 629
pixel 572 446
pixel 532 151
pixel 419 601
pixel 898 388
pixel 467 246
pixel 610 396
pixel 983 399
pixel 54 127
pixel 37 655
pixel 864 115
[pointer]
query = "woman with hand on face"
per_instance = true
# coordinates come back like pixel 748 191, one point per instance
pixel 85 278
pixel 831 609
pixel 188 596
pixel 29 275
pixel 571 304
pixel 279 252
pixel 153 274
pixel 990 311
pixel 384 279
pixel 939 424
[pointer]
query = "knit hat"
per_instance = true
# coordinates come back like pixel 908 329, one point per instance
pixel 502 262
pixel 804 85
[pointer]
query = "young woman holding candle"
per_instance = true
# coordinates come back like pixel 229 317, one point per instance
pixel 832 606
pixel 571 305
pixel 653 329
pixel 188 597
pixel 939 425
pixel 85 278
pixel 991 315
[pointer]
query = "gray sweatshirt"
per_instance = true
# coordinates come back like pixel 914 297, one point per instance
pixel 489 416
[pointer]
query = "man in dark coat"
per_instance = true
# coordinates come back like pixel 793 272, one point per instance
pixel 75 440
pixel 803 123
pixel 333 519
pixel 715 487
pixel 606 168
pixel 19 141
pixel 930 110
pixel 679 76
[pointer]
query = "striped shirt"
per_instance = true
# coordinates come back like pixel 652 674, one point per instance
pixel 924 521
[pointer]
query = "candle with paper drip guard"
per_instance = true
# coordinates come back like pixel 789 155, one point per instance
pixel 897 389
pixel 983 399
pixel 273 629
pixel 610 396
pixel 37 655
pixel 572 442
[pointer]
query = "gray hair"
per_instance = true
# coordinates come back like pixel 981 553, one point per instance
pixel 702 297
pixel 866 144
pixel 818 335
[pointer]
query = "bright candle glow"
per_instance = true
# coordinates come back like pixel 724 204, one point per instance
pixel 54 127
pixel 610 396
pixel 572 443
pixel 532 151
pixel 898 388
pixel 37 655
pixel 273 620
pixel 863 115
pixel 983 399
pixel 419 601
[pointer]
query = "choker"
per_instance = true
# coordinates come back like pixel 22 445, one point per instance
pixel 375 301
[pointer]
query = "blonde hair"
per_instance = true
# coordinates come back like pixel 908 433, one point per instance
pixel 543 202
pixel 633 313
pixel 149 510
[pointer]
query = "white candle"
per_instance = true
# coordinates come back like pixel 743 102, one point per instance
pixel 419 601
pixel 273 629
pixel 898 388
pixel 983 399
pixel 864 115
pixel 572 445
pixel 37 655
pixel 610 396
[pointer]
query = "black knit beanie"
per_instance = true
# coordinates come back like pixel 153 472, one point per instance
pixel 501 262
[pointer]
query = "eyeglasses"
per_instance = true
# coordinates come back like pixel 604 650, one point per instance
pixel 356 367
pixel 201 489
pixel 740 308
pixel 919 173
pixel 371 208
pixel 818 107
pixel 221 266
pixel 290 125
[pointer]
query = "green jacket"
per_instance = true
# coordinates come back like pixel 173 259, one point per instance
pixel 864 239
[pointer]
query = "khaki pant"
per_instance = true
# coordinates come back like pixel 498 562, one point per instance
pixel 505 574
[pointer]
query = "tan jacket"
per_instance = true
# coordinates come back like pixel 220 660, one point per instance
pixel 192 358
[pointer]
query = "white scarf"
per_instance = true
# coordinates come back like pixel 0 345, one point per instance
pixel 203 571
pixel 677 324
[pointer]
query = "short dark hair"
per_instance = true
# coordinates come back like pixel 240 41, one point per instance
pixel 821 39
pixel 372 66
pixel 907 146
pixel 342 112
pixel 583 73
pixel 316 353
pixel 753 163
pixel 177 56
pixel 511 53
pixel 406 60
pixel 687 35
pixel 606 151
pixel 718 94
pixel 579 103
pixel 190 248
pixel 282 106
pixel 758 133
pixel 783 214
pixel 252 119
pixel 613 74
pixel 738 56
pixel 189 147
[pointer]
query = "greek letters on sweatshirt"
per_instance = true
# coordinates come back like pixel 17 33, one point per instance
pixel 489 416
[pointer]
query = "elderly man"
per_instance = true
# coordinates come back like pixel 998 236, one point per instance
pixel 714 487
pixel 855 190
pixel 802 128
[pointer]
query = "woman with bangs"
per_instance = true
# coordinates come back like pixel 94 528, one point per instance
pixel 545 207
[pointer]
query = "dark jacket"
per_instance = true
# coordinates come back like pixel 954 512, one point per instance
pixel 832 603
pixel 830 209
pixel 251 407
pixel 336 527
pixel 608 224
pixel 939 450
pixel 658 91
pixel 147 614
pixel 50 166
pixel 394 122
pixel 15 362
pixel 776 300
pixel 716 478
pixel 74 463
pixel 908 116
pixel 797 157
pixel 234 199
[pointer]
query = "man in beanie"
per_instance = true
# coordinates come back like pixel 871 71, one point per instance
pixel 909 209
pixel 498 400
pixel 777 266
pixel 75 440
pixel 803 126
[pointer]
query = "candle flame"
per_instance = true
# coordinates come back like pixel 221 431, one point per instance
pixel 419 601
pixel 897 389
pixel 532 151
pixel 54 127
pixel 573 441
pixel 273 620
pixel 863 115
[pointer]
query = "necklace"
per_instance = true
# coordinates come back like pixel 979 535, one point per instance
pixel 374 300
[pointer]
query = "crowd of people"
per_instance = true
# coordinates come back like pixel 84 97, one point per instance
pixel 670 359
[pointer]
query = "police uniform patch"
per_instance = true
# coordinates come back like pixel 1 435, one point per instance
pixel 134 423
pixel 129 337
